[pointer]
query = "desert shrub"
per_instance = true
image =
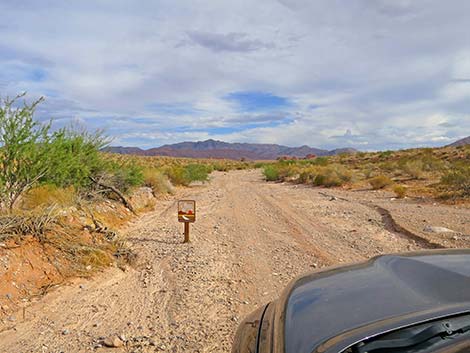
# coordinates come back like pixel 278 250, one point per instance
pixel 327 178
pixel 321 161
pixel 432 163
pixel 380 182
pixel 220 167
pixel 334 175
pixel 306 176
pixel 385 154
pixel 458 180
pixel 416 166
pixel 184 175
pixel 271 172
pixel 400 191
pixel 48 195
pixel 388 166
pixel 125 176
pixel 158 181
pixel 198 172
pixel 368 171
pixel 414 169
pixel 177 175
pixel 31 155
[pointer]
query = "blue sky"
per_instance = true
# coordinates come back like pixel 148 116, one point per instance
pixel 371 74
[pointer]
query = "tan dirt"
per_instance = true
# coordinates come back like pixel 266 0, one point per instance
pixel 250 239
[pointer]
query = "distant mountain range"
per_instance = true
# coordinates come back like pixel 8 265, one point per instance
pixel 219 149
pixel 462 142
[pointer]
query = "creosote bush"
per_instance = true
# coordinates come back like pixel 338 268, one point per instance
pixel 32 156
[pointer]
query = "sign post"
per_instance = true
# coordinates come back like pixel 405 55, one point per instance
pixel 186 214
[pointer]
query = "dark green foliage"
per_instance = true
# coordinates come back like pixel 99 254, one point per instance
pixel 74 157
pixel 198 172
pixel 271 173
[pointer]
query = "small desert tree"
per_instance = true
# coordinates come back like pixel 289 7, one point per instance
pixel 23 159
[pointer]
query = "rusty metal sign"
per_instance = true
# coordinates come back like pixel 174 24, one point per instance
pixel 187 211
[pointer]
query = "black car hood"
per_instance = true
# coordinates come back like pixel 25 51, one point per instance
pixel 330 310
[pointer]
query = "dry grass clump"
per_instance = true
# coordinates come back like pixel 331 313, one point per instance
pixel 457 181
pixel 334 175
pixel 414 169
pixel 36 224
pixel 45 196
pixel 157 181
pixel 400 191
pixel 94 257
pixel 380 182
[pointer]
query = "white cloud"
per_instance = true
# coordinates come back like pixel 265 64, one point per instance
pixel 393 72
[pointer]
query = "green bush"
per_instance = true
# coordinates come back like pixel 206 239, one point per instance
pixel 197 172
pixel 271 173
pixel 74 156
pixel 184 175
pixel 126 176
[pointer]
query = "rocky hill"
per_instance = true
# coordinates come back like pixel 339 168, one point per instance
pixel 220 149
pixel 462 142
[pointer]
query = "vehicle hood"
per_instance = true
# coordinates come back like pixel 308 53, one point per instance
pixel 330 310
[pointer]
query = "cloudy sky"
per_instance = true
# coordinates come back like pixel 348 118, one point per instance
pixel 372 74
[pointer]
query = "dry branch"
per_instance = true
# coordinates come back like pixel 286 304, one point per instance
pixel 116 191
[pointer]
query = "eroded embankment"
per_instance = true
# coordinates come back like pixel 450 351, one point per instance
pixel 55 245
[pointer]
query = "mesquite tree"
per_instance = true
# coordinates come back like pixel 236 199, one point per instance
pixel 23 149
pixel 32 154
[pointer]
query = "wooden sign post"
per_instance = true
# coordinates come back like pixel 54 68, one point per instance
pixel 186 214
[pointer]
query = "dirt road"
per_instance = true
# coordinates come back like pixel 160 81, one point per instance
pixel 251 238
